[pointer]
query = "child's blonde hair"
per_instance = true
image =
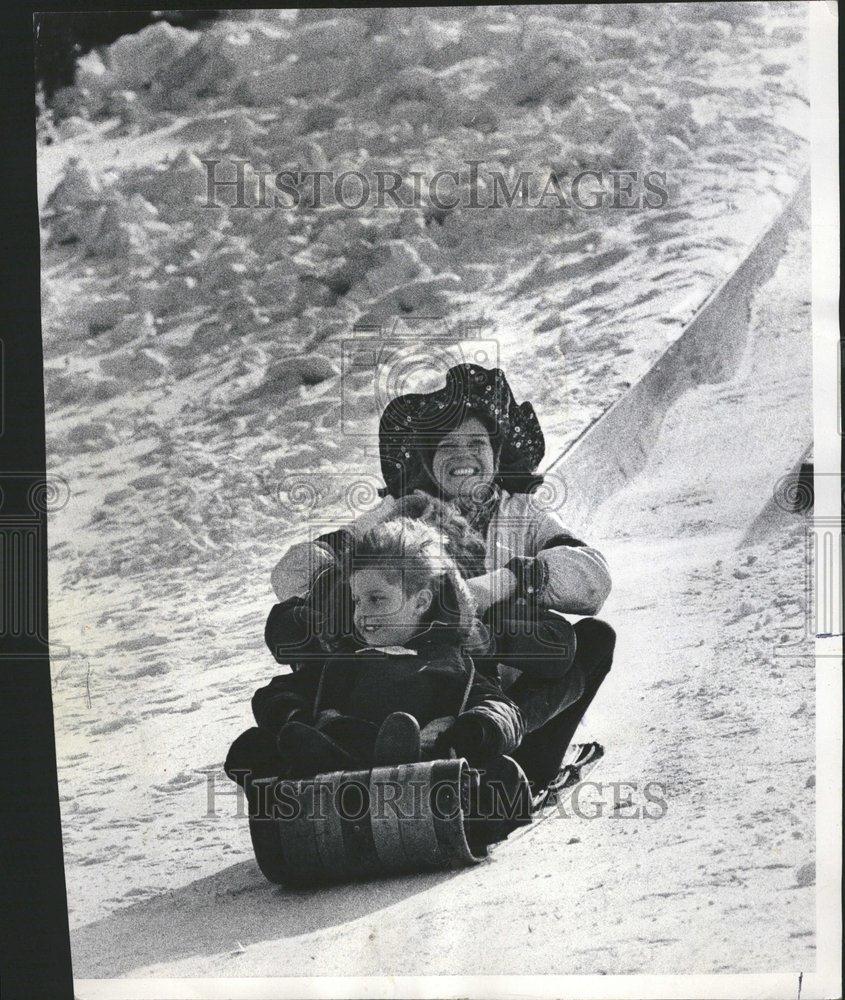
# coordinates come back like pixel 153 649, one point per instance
pixel 407 552
pixel 416 555
pixel 462 542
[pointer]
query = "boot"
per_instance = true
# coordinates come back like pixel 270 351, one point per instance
pixel 398 740
pixel 503 803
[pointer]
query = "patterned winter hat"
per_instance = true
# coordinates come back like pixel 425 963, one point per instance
pixel 412 426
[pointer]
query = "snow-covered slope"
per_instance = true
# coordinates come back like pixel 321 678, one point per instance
pixel 193 355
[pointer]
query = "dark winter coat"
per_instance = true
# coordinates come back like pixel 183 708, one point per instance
pixel 431 677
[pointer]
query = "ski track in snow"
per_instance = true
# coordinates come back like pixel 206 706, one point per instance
pixel 189 370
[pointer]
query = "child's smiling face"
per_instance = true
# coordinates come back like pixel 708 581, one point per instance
pixel 384 614
pixel 463 462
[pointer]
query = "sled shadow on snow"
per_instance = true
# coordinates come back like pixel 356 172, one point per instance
pixel 233 907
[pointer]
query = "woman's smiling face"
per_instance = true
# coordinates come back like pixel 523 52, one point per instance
pixel 464 464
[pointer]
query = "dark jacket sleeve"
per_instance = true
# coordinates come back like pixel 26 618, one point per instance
pixel 305 627
pixel 275 704
pixel 290 632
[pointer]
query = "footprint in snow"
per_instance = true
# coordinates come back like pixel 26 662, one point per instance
pixel 805 876
pixel 113 725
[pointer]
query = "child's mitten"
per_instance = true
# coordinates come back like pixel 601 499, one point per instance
pixel 471 736
pixel 432 737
